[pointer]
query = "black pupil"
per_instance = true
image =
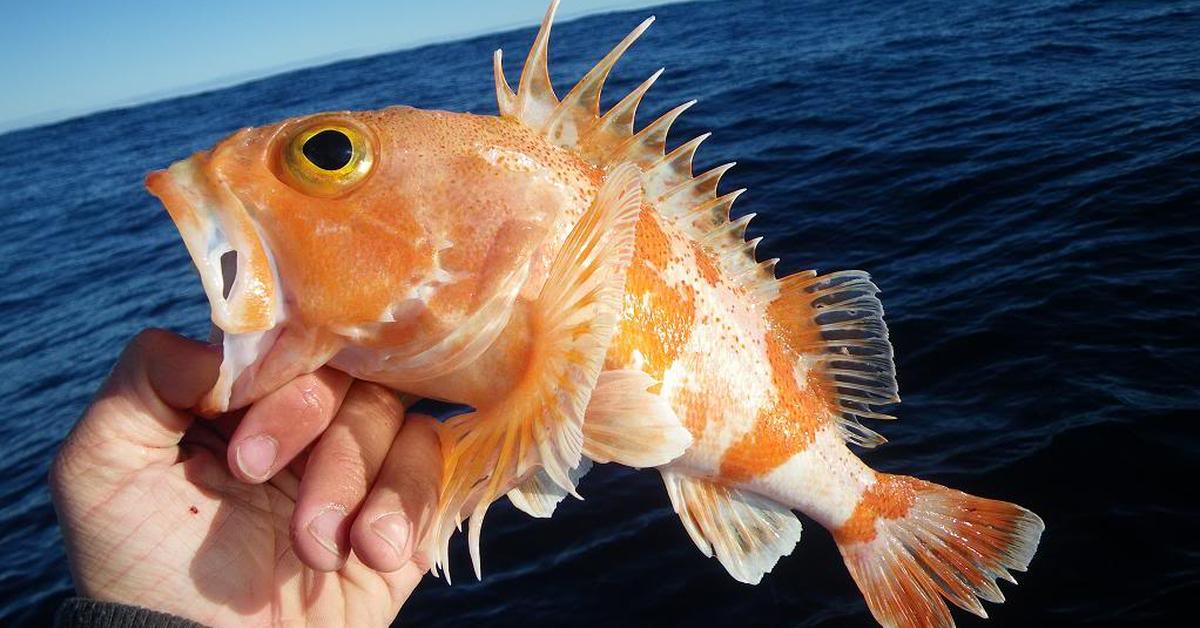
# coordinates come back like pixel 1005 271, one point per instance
pixel 329 150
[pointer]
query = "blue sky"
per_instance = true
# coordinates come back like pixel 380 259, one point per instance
pixel 63 58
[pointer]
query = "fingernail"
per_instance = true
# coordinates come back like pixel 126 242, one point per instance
pixel 324 528
pixel 396 530
pixel 256 456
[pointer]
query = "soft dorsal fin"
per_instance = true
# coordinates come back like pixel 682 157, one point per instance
pixel 607 140
pixel 834 325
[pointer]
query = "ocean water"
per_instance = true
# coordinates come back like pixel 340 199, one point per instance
pixel 1022 179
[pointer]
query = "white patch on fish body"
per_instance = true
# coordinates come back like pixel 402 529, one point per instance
pixel 638 360
pixel 418 296
pixel 675 378
pixel 728 370
pixel 801 370
pixel 510 160
pixel 825 480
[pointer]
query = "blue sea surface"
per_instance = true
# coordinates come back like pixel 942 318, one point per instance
pixel 1022 179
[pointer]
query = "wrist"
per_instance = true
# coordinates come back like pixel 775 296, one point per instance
pixel 78 612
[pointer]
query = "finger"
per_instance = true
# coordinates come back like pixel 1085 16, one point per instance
pixel 280 425
pixel 397 511
pixel 340 470
pixel 141 408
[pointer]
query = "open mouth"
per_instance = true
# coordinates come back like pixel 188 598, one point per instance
pixel 229 267
pixel 235 267
pixel 223 242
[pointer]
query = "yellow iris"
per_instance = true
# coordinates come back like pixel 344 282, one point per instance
pixel 327 158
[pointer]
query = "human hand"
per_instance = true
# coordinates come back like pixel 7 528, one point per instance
pixel 153 516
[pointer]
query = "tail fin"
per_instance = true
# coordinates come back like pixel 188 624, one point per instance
pixel 911 543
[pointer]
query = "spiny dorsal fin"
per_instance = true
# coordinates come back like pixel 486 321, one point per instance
pixel 834 324
pixel 607 140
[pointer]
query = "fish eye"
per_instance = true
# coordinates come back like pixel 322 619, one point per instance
pixel 326 158
pixel 329 150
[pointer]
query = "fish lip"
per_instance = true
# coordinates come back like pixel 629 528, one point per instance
pixel 186 194
pixel 246 309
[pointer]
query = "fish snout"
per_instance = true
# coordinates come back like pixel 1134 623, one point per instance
pixel 234 264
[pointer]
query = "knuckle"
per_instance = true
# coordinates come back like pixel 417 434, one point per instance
pixel 374 403
pixel 310 398
pixel 350 465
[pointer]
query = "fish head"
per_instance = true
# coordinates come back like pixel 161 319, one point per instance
pixel 395 239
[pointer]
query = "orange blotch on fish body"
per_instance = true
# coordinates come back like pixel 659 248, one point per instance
pixel 650 242
pixel 696 408
pixel 771 442
pixel 657 319
pixel 783 428
pixel 890 497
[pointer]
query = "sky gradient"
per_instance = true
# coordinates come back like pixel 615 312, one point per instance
pixel 62 59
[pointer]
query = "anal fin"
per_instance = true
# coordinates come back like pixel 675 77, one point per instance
pixel 747 533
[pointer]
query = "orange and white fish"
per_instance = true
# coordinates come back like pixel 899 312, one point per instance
pixel 588 296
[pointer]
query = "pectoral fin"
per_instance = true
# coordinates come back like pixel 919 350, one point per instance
pixel 539 495
pixel 625 423
pixel 538 427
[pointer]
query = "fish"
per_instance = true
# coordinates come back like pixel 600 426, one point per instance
pixel 569 278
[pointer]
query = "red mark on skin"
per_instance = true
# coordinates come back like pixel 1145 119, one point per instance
pixel 194 510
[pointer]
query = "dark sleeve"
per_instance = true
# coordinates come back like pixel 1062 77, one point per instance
pixel 78 612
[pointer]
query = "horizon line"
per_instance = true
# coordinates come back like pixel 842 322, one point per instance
pixel 59 116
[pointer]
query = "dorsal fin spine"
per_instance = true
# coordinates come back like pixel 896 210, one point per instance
pixel 506 98
pixel 714 212
pixel 689 193
pixel 607 140
pixel 535 100
pixel 648 143
pixel 581 105
pixel 673 168
pixel 734 229
pixel 616 125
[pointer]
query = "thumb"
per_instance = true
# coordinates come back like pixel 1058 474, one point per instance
pixel 142 408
